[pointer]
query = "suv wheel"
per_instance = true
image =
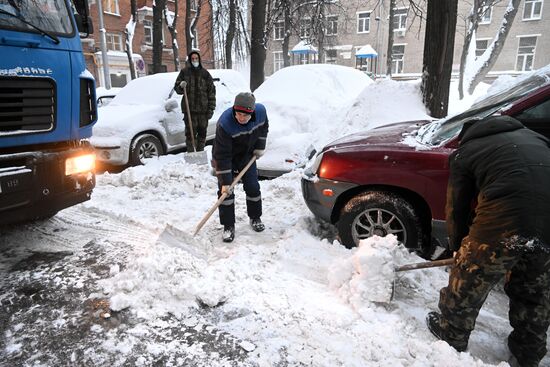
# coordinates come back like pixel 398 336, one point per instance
pixel 379 213
pixel 145 146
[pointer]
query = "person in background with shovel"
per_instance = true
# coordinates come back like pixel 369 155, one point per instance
pixel 506 168
pixel 241 134
pixel 197 83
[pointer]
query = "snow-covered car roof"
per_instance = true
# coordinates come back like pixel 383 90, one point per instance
pixel 303 102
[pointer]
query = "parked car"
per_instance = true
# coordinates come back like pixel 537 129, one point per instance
pixel 393 179
pixel 145 119
pixel 105 96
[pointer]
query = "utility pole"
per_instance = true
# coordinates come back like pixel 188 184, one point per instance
pixel 103 46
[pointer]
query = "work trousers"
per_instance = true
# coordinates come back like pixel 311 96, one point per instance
pixel 478 268
pixel 200 125
pixel 253 198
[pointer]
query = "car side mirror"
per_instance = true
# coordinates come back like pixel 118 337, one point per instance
pixel 170 105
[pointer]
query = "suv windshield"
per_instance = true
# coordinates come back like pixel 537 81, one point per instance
pixel 51 16
pixel 439 131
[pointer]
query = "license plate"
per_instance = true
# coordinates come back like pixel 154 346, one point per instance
pixel 16 181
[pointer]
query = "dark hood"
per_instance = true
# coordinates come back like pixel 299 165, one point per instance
pixel 488 126
pixel 189 59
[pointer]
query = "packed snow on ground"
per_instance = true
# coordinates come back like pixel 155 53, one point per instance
pixel 292 292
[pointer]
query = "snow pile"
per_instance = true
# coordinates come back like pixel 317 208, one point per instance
pixel 382 103
pixel 366 276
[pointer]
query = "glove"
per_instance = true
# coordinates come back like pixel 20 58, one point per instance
pixel 258 153
pixel 226 189
pixel 183 84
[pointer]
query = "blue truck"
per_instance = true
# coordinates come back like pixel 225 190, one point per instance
pixel 47 108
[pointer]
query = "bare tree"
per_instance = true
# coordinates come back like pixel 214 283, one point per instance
pixel 129 32
pixel 171 21
pixel 192 26
pixel 438 55
pixel 231 41
pixel 257 44
pixel 230 34
pixel 158 7
pixel 487 60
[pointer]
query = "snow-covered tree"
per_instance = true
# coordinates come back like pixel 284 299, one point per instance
pixel 171 19
pixel 129 32
pixel 472 70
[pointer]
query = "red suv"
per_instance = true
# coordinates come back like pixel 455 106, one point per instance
pixel 393 179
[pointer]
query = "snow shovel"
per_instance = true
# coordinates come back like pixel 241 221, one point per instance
pixel 194 157
pixel 224 195
pixel 383 292
pixel 425 264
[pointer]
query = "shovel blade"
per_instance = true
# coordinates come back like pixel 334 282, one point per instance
pixel 196 157
pixel 175 237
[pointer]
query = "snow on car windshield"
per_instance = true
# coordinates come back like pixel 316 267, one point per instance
pixel 151 89
pixel 503 91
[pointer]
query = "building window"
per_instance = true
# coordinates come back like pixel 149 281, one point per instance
pixel 114 41
pixel 526 53
pixel 486 13
pixel 305 25
pixel 532 9
pixel 148 30
pixel 279 30
pixel 304 59
pixel 330 56
pixel 110 6
pixel 332 25
pixel 481 46
pixel 400 19
pixel 363 22
pixel 397 56
pixel 194 41
pixel 118 80
pixel 277 61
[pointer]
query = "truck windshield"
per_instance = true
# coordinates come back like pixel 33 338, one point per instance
pixel 51 16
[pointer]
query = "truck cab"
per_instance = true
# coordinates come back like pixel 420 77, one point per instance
pixel 47 109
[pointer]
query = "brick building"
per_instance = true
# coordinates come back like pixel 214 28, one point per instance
pixel 116 14
pixel 350 25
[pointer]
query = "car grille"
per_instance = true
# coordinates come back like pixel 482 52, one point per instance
pixel 27 105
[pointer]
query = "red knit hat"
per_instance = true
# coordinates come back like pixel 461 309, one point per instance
pixel 245 102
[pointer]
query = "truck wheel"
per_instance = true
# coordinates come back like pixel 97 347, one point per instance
pixel 145 146
pixel 379 213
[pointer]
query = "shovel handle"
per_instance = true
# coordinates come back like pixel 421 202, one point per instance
pixel 224 195
pixel 189 119
pixel 426 264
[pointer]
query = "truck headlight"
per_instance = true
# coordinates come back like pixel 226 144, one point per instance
pixel 82 163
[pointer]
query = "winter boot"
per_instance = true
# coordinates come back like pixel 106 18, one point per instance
pixel 433 320
pixel 256 224
pixel 228 233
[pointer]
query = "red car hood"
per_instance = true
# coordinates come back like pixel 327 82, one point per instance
pixel 401 133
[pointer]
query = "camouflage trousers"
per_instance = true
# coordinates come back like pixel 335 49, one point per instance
pixel 478 268
pixel 200 125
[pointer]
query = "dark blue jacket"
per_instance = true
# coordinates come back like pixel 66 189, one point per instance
pixel 234 143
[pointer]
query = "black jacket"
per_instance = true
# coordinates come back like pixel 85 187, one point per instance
pixel 506 167
pixel 201 91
